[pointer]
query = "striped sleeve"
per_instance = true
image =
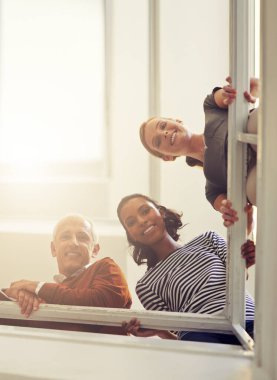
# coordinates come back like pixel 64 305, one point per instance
pixel 149 299
pixel 218 245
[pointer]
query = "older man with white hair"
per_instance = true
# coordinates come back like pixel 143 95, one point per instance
pixel 79 281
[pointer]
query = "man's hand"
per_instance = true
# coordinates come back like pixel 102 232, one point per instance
pixel 28 285
pixel 248 252
pixel 28 302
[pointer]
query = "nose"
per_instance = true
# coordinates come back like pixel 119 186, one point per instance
pixel 142 220
pixel 74 240
pixel 162 132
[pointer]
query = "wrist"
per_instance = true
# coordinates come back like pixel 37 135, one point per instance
pixel 166 334
pixel 6 294
pixel 38 287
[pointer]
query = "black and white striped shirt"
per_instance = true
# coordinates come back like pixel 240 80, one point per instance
pixel 191 279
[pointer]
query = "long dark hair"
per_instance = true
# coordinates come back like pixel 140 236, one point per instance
pixel 143 254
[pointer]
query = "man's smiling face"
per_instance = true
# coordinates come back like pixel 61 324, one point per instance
pixel 73 244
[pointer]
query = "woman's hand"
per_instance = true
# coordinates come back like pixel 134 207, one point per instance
pixel 229 93
pixel 248 252
pixel 133 328
pixel 230 217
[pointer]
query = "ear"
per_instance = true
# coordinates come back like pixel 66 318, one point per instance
pixel 53 249
pixel 168 158
pixel 95 250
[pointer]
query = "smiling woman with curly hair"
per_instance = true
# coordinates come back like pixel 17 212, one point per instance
pixel 187 277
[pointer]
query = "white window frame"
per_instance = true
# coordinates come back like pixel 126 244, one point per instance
pixel 230 321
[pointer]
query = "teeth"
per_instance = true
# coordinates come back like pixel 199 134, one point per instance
pixel 72 254
pixel 172 139
pixel 148 230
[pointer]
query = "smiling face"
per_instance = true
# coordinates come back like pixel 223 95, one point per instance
pixel 143 221
pixel 167 137
pixel 73 244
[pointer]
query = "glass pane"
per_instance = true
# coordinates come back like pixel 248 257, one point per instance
pixel 52 81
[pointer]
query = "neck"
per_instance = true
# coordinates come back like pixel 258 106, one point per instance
pixel 197 147
pixel 165 247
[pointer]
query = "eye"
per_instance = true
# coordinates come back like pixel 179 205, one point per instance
pixel 65 236
pixel 162 125
pixel 145 210
pixel 130 222
pixel 83 237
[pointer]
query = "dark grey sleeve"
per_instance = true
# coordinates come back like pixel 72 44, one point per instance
pixel 212 192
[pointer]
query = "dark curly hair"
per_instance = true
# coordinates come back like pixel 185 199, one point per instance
pixel 143 254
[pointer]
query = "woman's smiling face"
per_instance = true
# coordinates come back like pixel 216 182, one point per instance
pixel 166 136
pixel 143 221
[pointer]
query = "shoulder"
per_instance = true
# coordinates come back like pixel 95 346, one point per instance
pixel 206 238
pixel 106 262
pixel 212 236
pixel 198 239
pixel 216 241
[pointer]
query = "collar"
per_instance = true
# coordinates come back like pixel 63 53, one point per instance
pixel 59 277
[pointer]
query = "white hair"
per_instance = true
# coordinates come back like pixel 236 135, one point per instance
pixel 80 217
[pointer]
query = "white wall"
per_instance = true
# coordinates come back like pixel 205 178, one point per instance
pixel 194 59
pixel 128 104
